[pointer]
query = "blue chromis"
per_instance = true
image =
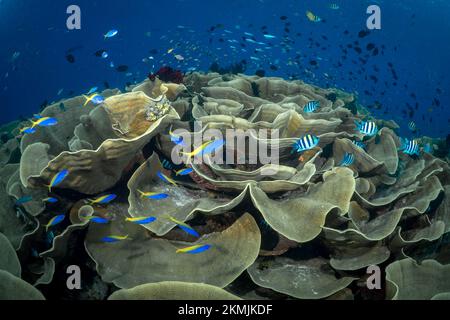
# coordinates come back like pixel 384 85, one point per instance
pixel 368 128
pixel 114 238
pixel 184 172
pixel 111 33
pixel 98 220
pixel 195 249
pixel 153 195
pixel 103 199
pixel 348 160
pixel 23 200
pixel 57 179
pixel 165 178
pixel 311 106
pixel 410 147
pixel 141 220
pixel 185 227
pixel 44 122
pixel 54 221
pixel 307 142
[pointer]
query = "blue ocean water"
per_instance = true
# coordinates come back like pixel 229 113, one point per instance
pixel 407 80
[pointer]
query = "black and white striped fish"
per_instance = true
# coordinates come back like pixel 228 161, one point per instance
pixel 412 126
pixel 311 106
pixel 410 147
pixel 348 160
pixel 368 128
pixel 167 164
pixel 305 143
pixel 359 144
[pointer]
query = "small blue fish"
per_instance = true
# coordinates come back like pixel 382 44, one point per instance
pixel 348 160
pixel 185 227
pixel 153 195
pixel 141 220
pixel 103 199
pixel 311 106
pixel 50 200
pixel 359 144
pixel 178 140
pixel 428 148
pixel 98 220
pixel 23 200
pixel 57 179
pixel 28 130
pixel 54 221
pixel 184 172
pixel 410 147
pixel 105 55
pixel 195 249
pixel 92 90
pixel 111 33
pixel 368 128
pixel 307 142
pixel 165 178
pixel 213 146
pixel 44 122
pixel 269 36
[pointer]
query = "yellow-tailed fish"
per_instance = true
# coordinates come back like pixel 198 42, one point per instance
pixel 185 227
pixel 103 199
pixel 195 249
pixel 114 238
pixel 165 178
pixel 141 220
pixel 153 195
pixel 44 122
pixel 57 179
pixel 54 221
pixel 184 172
pixel 198 150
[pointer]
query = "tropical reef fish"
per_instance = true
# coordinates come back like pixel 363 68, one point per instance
pixel 92 90
pixel 23 200
pixel 50 200
pixel 428 148
pixel 410 147
pixel 198 150
pixel 98 220
pixel 111 33
pixel 95 98
pixel 54 221
pixel 167 164
pixel 195 249
pixel 359 144
pixel 57 179
pixel 141 220
pixel 334 6
pixel 307 142
pixel 269 36
pixel 368 128
pixel 113 239
pixel 312 17
pixel 185 227
pixel 184 172
pixel 44 122
pixel 28 130
pixel 348 160
pixel 153 195
pixel 165 178
pixel 412 126
pixel 103 199
pixel 311 106
pixel 178 140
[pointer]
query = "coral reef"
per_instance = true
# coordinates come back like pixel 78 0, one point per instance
pixel 309 230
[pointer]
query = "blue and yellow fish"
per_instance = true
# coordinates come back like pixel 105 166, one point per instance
pixel 113 239
pixel 57 179
pixel 195 249
pixel 410 147
pixel 165 178
pixel 153 195
pixel 177 139
pixel 197 150
pixel 103 199
pixel 44 122
pixel 54 221
pixel 92 90
pixel 141 220
pixel 28 130
pixel 348 160
pixel 307 142
pixel 368 128
pixel 95 98
pixel 311 106
pixel 98 220
pixel 185 227
pixel 184 172
pixel 50 200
